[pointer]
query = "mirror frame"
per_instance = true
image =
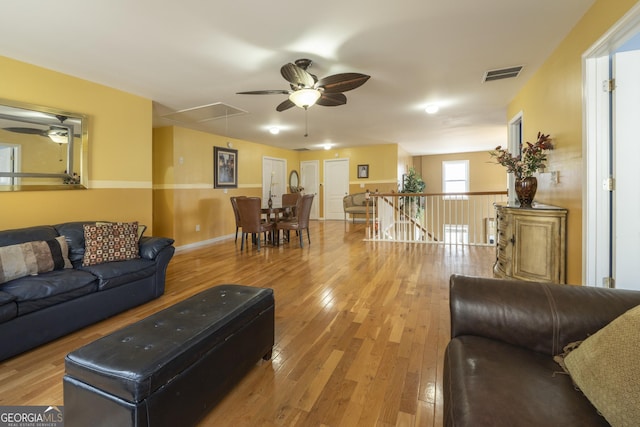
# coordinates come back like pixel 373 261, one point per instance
pixel 294 187
pixel 73 179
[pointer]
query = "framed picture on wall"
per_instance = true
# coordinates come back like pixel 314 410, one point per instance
pixel 363 171
pixel 225 168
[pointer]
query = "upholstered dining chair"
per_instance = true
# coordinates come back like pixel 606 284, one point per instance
pixel 234 205
pixel 250 219
pixel 290 199
pixel 301 220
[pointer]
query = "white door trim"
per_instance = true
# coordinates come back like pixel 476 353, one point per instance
pixel 328 191
pixel 595 155
pixel 315 214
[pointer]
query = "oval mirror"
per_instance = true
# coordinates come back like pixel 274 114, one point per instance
pixel 293 181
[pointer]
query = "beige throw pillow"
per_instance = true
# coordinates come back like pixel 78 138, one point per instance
pixel 31 258
pixel 606 367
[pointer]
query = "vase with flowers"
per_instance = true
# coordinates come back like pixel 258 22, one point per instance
pixel 533 157
pixel 270 202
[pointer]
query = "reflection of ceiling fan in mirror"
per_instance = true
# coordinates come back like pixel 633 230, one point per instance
pixel 58 134
pixel 306 90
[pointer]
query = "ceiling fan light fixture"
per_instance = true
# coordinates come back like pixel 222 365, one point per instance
pixel 305 98
pixel 432 109
pixel 58 138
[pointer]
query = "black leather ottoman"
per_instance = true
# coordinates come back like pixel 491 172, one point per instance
pixel 171 368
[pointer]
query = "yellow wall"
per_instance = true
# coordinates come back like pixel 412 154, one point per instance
pixel 183 182
pixel 183 191
pixel 551 102
pixel 119 150
pixel 382 161
pixel 484 175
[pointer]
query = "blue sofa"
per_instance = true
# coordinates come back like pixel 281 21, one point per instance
pixel 42 307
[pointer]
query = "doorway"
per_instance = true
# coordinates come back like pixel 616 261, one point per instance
pixel 9 162
pixel 274 180
pixel 336 186
pixel 309 180
pixel 611 204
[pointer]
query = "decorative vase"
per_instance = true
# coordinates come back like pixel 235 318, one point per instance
pixel 526 190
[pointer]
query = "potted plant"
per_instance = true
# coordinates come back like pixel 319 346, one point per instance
pixel 412 183
pixel 533 157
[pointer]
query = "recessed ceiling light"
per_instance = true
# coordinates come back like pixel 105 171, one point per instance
pixel 432 109
pixel 274 130
pixel 327 146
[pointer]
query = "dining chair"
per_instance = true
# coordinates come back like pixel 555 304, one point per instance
pixel 234 205
pixel 301 221
pixel 290 199
pixel 250 219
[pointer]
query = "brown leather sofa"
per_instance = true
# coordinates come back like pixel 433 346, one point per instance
pixel 499 368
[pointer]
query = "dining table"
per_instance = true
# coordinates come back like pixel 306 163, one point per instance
pixel 276 213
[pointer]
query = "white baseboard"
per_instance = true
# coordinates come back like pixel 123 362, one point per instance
pixel 204 243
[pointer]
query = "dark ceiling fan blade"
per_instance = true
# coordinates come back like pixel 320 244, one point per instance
pixel 265 92
pixel 285 105
pixel 298 77
pixel 30 131
pixel 342 82
pixel 332 99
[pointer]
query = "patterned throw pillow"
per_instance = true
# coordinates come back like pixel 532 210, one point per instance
pixel 605 367
pixel 31 258
pixel 106 242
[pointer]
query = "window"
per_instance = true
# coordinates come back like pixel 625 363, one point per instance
pixel 456 234
pixel 455 177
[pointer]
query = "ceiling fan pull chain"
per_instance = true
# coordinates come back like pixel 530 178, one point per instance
pixel 306 122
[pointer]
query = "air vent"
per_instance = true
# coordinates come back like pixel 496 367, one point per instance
pixel 300 149
pixel 205 113
pixel 503 73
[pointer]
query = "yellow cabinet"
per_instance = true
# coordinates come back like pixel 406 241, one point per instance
pixel 531 243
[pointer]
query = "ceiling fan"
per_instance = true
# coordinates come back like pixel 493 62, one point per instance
pixel 306 90
pixel 59 134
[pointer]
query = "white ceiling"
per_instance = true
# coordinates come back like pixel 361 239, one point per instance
pixel 189 53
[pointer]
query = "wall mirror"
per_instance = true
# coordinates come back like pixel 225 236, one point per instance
pixel 41 148
pixel 294 182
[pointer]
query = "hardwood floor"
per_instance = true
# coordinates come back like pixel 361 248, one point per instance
pixel 361 329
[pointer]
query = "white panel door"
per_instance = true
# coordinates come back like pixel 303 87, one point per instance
pixel 626 203
pixel 310 181
pixel 336 186
pixel 274 178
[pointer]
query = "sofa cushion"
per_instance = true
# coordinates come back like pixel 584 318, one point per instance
pixel 8 307
pixel 28 234
pixel 74 233
pixel 31 258
pixel 112 274
pixel 107 242
pixel 490 383
pixel 605 367
pixel 35 292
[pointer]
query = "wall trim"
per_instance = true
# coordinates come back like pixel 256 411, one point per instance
pixel 202 243
pixel 120 184
pixel 206 186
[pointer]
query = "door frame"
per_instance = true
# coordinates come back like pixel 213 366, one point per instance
pixel 315 207
pixel 267 168
pixel 516 125
pixel 596 154
pixel 324 186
